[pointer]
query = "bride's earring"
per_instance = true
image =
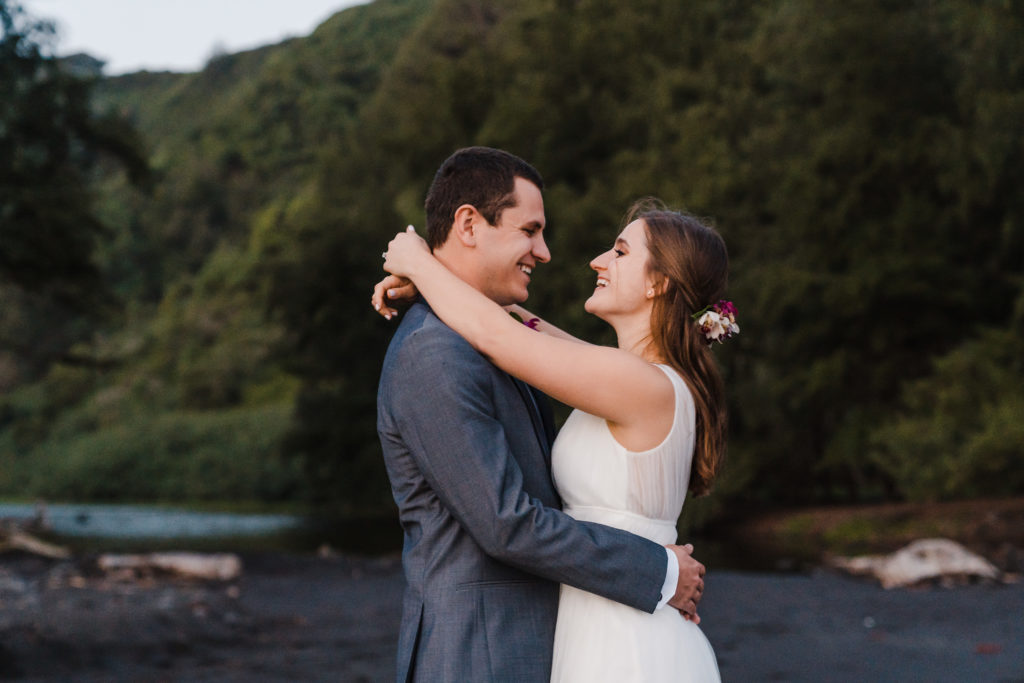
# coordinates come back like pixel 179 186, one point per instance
pixel 650 293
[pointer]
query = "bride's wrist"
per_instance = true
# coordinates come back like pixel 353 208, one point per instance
pixel 417 266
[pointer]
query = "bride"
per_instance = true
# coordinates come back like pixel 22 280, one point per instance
pixel 649 423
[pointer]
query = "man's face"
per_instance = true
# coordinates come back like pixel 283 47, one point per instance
pixel 509 251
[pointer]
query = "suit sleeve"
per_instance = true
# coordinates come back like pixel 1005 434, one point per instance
pixel 443 408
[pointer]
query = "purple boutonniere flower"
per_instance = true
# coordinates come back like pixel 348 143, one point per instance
pixel 532 323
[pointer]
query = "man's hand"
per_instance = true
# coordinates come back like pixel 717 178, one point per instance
pixel 690 586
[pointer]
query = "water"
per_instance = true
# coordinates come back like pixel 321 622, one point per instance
pixel 94 527
pixel 121 528
pixel 137 521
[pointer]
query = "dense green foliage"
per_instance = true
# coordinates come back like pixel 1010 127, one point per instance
pixel 862 160
pixel 50 140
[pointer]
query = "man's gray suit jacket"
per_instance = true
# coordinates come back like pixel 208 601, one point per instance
pixel 485 543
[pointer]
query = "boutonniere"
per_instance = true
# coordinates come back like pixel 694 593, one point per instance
pixel 531 323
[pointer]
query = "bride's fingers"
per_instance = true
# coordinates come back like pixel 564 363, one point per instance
pixel 405 290
pixel 391 283
pixel 378 300
pixel 392 288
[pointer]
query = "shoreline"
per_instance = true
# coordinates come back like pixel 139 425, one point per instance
pixel 808 537
pixel 311 618
pixel 301 615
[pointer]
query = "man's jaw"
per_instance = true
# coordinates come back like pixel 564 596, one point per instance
pixel 527 270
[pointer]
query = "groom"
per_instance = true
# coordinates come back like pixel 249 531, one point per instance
pixel 467 449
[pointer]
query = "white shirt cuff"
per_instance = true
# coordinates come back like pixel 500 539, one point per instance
pixel 671 579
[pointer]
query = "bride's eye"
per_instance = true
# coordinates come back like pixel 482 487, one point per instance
pixel 619 252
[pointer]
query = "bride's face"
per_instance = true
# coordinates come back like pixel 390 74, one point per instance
pixel 623 284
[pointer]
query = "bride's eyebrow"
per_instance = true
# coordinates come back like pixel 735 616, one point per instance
pixel 621 242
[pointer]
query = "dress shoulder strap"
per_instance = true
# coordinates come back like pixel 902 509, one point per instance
pixel 684 399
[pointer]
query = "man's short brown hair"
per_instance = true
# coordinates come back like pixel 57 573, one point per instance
pixel 482 177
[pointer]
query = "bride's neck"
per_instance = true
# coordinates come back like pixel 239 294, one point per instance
pixel 638 340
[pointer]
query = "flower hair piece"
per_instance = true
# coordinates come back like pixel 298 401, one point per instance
pixel 718 321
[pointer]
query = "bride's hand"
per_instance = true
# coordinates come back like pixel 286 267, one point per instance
pixel 400 254
pixel 404 251
pixel 389 290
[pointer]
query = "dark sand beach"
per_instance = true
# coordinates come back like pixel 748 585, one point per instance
pixel 308 618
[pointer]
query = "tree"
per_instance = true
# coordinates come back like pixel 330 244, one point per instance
pixel 876 226
pixel 50 142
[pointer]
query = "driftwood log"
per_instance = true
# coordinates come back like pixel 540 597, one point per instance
pixel 17 534
pixel 923 560
pixel 217 566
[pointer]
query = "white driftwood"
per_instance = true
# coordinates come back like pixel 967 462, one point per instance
pixel 922 560
pixel 13 538
pixel 220 566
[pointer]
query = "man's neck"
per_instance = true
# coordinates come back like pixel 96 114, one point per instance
pixel 458 263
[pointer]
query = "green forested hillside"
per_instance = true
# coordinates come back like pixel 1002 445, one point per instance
pixel 189 396
pixel 862 160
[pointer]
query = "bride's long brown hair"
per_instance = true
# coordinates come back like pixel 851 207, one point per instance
pixel 689 258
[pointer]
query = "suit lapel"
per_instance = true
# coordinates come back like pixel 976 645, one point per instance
pixel 547 417
pixel 540 429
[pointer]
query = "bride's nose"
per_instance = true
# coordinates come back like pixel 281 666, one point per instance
pixel 599 262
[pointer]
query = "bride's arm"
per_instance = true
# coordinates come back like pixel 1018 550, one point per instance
pixel 394 288
pixel 608 382
pixel 534 323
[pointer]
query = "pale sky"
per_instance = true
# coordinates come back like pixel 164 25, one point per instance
pixel 175 35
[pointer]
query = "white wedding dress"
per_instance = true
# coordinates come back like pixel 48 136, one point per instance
pixel 642 492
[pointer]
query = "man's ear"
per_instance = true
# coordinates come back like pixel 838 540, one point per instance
pixel 464 226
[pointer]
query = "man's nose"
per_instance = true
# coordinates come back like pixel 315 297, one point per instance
pixel 540 250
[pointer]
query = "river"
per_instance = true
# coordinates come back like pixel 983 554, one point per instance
pixel 99 527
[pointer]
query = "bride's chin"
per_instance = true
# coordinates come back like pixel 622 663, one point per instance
pixel 593 309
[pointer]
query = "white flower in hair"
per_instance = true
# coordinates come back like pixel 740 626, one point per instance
pixel 718 322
